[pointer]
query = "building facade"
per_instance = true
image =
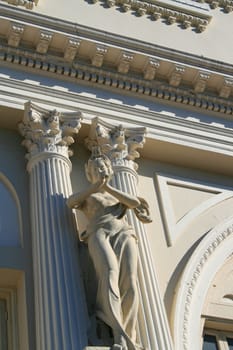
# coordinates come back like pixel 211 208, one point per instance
pixel 150 83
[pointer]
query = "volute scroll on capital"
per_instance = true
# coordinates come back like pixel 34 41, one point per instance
pixel 48 131
pixel 118 143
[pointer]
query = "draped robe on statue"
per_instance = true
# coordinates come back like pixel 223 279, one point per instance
pixel 112 245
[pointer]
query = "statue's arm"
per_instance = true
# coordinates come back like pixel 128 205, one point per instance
pixel 77 199
pixel 125 198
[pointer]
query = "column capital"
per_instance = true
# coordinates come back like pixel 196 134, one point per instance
pixel 48 132
pixel 118 143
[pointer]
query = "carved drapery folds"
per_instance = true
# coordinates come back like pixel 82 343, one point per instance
pixel 121 146
pixel 48 131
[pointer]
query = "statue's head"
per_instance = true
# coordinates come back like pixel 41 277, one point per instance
pixel 98 167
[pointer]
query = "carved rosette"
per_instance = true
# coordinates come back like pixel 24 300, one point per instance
pixel 48 131
pixel 118 143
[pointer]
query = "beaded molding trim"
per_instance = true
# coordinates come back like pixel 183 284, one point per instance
pixel 220 237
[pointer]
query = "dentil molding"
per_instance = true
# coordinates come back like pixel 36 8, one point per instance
pixel 110 61
pixel 186 13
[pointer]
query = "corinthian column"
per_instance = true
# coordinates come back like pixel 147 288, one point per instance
pixel 121 145
pixel 59 305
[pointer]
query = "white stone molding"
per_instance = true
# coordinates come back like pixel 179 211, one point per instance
pixel 173 227
pixel 151 80
pixel 120 145
pixel 15 34
pixel 207 259
pixel 43 42
pixel 139 86
pixel 71 49
pixel 59 302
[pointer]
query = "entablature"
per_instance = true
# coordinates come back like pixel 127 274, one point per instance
pixel 66 50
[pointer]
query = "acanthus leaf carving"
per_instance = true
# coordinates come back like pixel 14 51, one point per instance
pixel 48 131
pixel 118 143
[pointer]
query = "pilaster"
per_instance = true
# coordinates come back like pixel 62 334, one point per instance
pixel 59 305
pixel 121 145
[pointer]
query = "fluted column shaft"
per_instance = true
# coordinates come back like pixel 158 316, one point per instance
pixel 153 325
pixel 120 145
pixel 59 305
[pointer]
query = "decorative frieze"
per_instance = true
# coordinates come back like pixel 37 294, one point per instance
pixel 43 42
pixel 157 76
pixel 15 34
pixel 135 85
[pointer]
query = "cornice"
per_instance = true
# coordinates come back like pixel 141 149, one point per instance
pixel 28 4
pixel 113 62
pixel 84 33
pixel 185 13
pixel 159 89
pixel 162 127
pixel 226 5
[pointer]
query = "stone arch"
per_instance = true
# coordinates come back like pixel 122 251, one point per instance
pixel 205 262
pixel 10 214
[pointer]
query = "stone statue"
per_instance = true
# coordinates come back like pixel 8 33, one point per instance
pixel 112 245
